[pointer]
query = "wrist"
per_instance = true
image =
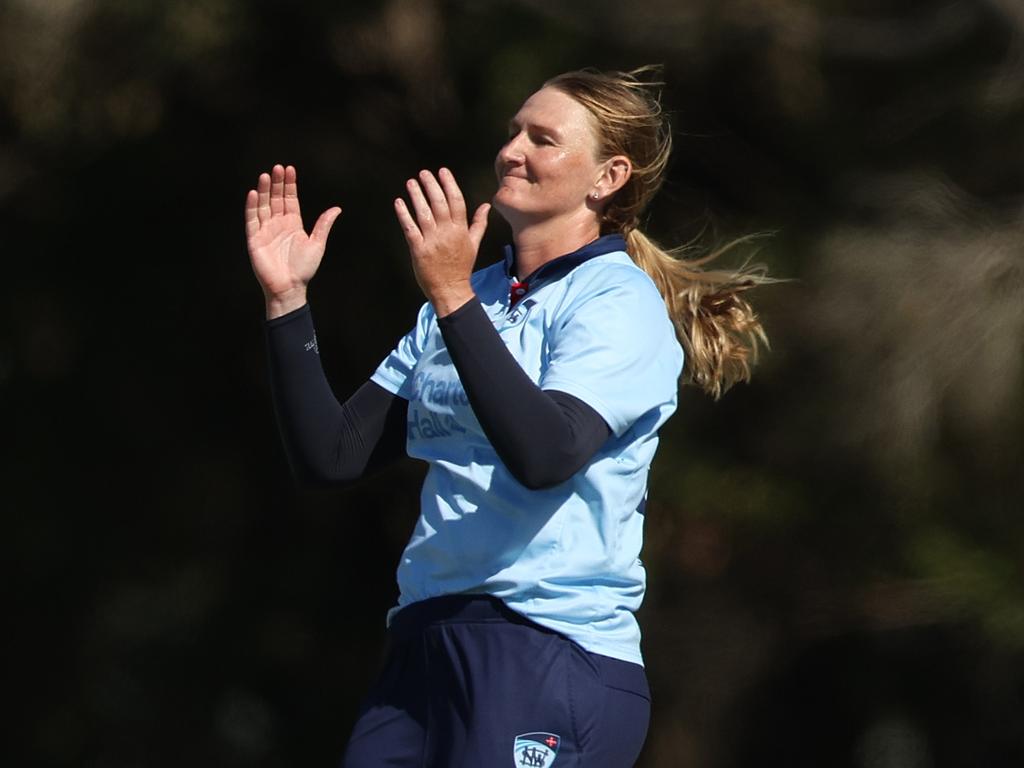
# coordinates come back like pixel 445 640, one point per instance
pixel 450 299
pixel 283 303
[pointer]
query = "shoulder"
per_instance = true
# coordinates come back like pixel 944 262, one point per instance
pixel 615 272
pixel 613 279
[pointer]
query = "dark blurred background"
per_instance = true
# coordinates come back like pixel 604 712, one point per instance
pixel 835 551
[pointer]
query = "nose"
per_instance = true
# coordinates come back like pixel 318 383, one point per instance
pixel 511 151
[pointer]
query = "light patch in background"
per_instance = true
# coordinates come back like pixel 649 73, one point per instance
pixel 921 318
pixel 246 724
pixel 893 742
pixel 404 39
pixel 54 11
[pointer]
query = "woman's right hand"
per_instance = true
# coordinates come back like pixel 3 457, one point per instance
pixel 283 256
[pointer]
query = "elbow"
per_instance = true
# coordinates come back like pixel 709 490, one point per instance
pixel 311 481
pixel 310 477
pixel 540 481
pixel 316 483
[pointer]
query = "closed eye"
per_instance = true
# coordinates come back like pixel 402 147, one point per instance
pixel 537 134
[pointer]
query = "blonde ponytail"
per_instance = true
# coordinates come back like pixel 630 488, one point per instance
pixel 716 325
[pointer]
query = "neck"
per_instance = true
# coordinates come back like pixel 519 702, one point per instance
pixel 539 242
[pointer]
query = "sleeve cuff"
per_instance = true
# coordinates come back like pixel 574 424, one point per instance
pixel 611 418
pixel 289 317
pixel 460 315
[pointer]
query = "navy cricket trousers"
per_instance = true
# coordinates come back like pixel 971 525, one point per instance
pixel 469 682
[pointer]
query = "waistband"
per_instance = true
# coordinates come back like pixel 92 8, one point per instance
pixel 457 609
pixel 474 609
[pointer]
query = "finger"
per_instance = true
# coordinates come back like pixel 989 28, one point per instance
pixel 323 225
pixel 291 191
pixel 412 232
pixel 435 195
pixel 252 221
pixel 424 217
pixel 263 193
pixel 456 202
pixel 479 225
pixel 277 190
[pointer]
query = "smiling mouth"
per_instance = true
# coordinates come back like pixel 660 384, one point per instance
pixel 509 171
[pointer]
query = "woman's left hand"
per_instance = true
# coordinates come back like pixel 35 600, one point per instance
pixel 443 247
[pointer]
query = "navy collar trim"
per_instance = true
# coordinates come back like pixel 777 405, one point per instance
pixel 559 267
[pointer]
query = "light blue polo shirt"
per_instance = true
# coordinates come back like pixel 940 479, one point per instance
pixel 592 325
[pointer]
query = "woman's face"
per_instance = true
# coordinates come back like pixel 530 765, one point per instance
pixel 548 166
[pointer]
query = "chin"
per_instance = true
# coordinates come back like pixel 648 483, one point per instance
pixel 504 201
pixel 508 202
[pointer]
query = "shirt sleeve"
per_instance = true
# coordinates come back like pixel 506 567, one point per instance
pixel 547 436
pixel 614 347
pixel 395 372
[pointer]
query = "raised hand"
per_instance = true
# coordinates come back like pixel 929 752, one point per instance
pixel 443 247
pixel 283 256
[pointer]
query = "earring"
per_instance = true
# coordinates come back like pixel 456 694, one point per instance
pixel 596 196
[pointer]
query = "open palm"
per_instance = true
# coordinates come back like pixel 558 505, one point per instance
pixel 283 256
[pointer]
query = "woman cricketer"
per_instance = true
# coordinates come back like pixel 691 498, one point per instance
pixel 534 389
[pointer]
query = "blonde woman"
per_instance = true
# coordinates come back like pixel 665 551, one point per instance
pixel 534 389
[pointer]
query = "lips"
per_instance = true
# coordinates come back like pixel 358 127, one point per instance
pixel 510 173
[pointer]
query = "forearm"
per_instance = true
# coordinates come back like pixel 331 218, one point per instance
pixel 327 442
pixel 542 437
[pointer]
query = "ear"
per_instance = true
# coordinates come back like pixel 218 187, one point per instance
pixel 615 172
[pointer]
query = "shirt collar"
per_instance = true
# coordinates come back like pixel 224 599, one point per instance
pixel 561 266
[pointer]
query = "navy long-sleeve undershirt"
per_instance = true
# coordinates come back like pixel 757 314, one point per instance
pixel 543 437
pixel 327 442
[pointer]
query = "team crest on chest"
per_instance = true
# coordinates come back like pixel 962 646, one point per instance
pixel 536 750
pixel 518 312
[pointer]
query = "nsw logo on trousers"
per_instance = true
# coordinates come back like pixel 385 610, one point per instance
pixel 536 750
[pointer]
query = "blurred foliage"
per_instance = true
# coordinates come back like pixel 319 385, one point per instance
pixel 835 551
